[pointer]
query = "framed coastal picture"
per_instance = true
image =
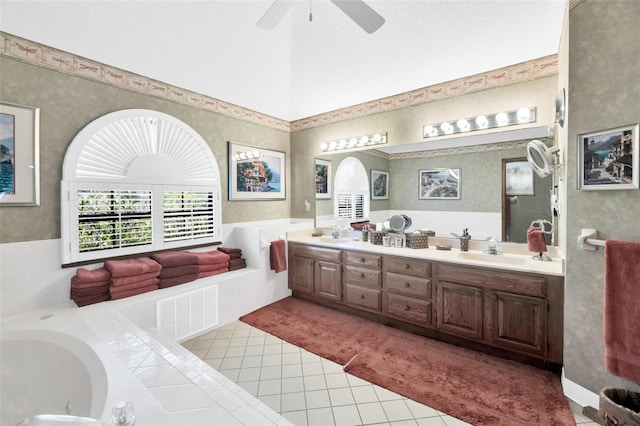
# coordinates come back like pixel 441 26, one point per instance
pixel 256 173
pixel 439 184
pixel 19 155
pixel 608 159
pixel 323 178
pixel 518 178
pixel 379 185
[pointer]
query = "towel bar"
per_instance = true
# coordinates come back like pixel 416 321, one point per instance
pixel 589 241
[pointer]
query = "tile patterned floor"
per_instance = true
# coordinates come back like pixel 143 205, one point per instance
pixel 309 390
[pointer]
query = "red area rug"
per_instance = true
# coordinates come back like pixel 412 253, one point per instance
pixel 477 388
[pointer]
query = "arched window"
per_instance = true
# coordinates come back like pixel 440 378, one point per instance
pixel 136 181
pixel 351 192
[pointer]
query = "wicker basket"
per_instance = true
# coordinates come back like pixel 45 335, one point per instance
pixel 375 237
pixel 417 241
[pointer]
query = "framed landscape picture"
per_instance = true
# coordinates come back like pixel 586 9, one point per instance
pixel 379 185
pixel 19 155
pixel 608 159
pixel 323 178
pixel 256 173
pixel 439 184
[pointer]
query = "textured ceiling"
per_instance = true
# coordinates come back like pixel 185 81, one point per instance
pixel 300 68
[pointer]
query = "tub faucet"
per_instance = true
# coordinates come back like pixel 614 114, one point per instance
pixel 336 233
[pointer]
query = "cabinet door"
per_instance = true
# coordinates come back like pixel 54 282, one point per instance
pixel 301 274
pixel 517 322
pixel 459 309
pixel 328 280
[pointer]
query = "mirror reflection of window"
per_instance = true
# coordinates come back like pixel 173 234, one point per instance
pixel 351 191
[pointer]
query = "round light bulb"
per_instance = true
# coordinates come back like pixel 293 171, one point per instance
pixel 446 127
pixel 502 118
pixel 324 146
pixel 364 140
pixel 524 114
pixel 482 121
pixel 377 137
pixel 463 125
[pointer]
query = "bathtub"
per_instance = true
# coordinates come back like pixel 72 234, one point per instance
pixel 55 363
pixel 49 372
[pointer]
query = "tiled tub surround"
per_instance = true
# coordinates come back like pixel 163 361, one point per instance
pixel 167 384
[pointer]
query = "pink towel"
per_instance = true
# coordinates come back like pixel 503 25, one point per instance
pixel 229 250
pixel 238 261
pixel 211 257
pixel 84 301
pixel 177 271
pixel 170 282
pixel 621 309
pixel 535 240
pixel 79 284
pixel 213 267
pixel 119 281
pixel 278 256
pixel 130 267
pixel 123 294
pixel 133 286
pixel 235 267
pixel 175 258
pixel 204 274
pixel 89 276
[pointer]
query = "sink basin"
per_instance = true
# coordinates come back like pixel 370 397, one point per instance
pixel 332 240
pixel 498 259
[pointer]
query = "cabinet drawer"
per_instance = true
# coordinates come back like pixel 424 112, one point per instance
pixel 409 309
pixel 496 280
pixel 408 285
pixel 364 259
pixel 318 253
pixel 362 276
pixel 363 297
pixel 407 266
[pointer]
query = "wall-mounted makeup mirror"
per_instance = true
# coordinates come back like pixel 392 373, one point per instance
pixel 543 159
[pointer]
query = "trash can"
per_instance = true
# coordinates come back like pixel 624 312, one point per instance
pixel 619 407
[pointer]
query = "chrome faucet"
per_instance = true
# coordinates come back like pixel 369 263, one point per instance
pixel 336 233
pixel 492 248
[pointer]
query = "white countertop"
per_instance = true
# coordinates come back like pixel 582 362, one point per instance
pixel 514 256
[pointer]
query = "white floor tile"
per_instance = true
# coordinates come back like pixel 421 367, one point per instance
pixel 293 370
pixel 292 384
pixel 320 417
pixel 312 368
pixel 298 418
pixel 317 399
pixel 336 380
pixel 274 372
pixel 249 375
pixel 364 394
pixel 372 413
pixel 270 387
pixel 293 402
pixel 347 415
pixel 396 410
pixel 272 401
pixel 341 396
pixel 314 382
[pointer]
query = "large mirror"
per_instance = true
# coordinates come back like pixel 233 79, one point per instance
pixel 483 205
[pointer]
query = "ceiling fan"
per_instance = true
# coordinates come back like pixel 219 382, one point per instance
pixel 360 12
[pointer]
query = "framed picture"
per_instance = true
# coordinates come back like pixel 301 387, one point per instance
pixel 19 155
pixel 379 185
pixel 323 178
pixel 256 173
pixel 439 184
pixel 608 159
pixel 518 177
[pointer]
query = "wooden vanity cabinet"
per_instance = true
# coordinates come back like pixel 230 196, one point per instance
pixel 515 314
pixel 518 312
pixel 362 280
pixel 407 289
pixel 315 271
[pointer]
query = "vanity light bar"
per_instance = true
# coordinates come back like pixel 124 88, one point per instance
pixel 355 142
pixel 481 122
pixel 246 155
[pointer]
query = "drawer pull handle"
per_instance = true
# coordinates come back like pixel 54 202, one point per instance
pixel 407 285
pixel 362 259
pixel 361 274
pixel 407 308
pixel 405 266
pixel 362 296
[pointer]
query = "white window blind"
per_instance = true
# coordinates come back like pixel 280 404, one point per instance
pixel 136 181
pixel 112 219
pixel 188 215
pixel 352 206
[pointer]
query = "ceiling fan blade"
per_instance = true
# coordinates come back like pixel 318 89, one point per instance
pixel 361 13
pixel 274 14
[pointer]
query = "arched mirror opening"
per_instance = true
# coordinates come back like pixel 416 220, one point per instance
pixel 482 206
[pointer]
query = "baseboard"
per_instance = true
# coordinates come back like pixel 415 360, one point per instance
pixel 578 394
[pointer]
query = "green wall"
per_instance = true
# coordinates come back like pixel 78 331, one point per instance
pixel 67 103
